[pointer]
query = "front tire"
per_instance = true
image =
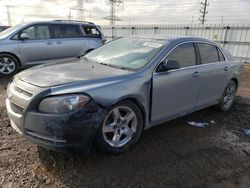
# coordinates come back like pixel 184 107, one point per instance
pixel 228 96
pixel 8 65
pixel 120 129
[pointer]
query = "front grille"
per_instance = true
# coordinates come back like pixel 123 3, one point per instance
pixel 22 91
pixel 17 109
pixel 18 97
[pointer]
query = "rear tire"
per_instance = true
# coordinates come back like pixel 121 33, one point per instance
pixel 9 65
pixel 120 129
pixel 228 96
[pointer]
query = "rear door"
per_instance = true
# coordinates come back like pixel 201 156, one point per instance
pixel 175 92
pixel 213 74
pixel 68 41
pixel 38 48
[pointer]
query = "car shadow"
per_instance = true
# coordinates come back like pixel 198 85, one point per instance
pixel 171 154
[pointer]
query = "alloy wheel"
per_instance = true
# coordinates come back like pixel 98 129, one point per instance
pixel 119 126
pixel 7 65
pixel 229 96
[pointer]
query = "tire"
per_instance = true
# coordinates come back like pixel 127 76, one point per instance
pixel 120 129
pixel 228 96
pixel 9 65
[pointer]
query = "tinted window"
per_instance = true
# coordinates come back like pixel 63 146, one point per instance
pixel 37 32
pixel 184 54
pixel 208 53
pixel 221 56
pixel 91 31
pixel 66 31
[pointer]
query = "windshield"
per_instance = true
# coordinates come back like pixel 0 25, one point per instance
pixel 127 53
pixel 9 31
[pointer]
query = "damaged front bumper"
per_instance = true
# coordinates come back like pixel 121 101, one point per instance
pixel 72 132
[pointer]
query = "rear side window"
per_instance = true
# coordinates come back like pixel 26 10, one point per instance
pixel 209 53
pixel 184 54
pixel 91 31
pixel 66 31
pixel 37 32
pixel 221 56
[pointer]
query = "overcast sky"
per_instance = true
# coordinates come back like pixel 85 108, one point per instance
pixel 131 11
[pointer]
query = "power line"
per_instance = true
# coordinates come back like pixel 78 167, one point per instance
pixel 203 11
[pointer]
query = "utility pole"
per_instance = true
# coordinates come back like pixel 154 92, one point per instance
pixel 113 4
pixel 192 20
pixel 9 14
pixel 203 11
pixel 112 17
pixel 80 9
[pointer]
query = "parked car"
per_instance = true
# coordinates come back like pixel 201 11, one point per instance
pixel 35 43
pixel 115 92
pixel 2 28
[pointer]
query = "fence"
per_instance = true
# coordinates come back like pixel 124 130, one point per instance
pixel 234 38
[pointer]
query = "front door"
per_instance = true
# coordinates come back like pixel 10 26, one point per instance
pixel 175 92
pixel 38 48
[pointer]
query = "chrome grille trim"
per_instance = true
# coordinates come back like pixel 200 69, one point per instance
pixel 23 91
pixel 20 92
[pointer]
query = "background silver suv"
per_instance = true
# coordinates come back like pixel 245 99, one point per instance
pixel 42 42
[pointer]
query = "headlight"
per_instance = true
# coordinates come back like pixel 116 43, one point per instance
pixel 63 104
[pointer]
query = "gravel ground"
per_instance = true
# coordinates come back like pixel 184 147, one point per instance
pixel 169 155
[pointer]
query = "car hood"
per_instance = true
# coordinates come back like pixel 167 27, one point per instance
pixel 56 74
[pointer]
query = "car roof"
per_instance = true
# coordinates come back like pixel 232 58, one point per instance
pixel 62 22
pixel 173 38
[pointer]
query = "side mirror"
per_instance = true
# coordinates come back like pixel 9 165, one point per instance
pixel 170 65
pixel 24 36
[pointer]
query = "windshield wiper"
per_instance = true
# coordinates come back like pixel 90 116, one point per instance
pixel 114 66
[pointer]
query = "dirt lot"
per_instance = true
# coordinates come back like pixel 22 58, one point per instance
pixel 170 155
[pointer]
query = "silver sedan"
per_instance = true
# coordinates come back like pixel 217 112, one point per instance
pixel 120 89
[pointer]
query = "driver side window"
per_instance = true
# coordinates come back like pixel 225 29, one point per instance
pixel 184 54
pixel 37 32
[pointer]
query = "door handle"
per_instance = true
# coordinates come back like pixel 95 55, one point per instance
pixel 49 42
pixel 196 74
pixel 226 68
pixel 59 42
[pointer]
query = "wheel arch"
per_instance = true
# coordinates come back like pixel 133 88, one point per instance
pixel 236 82
pixel 138 103
pixel 12 54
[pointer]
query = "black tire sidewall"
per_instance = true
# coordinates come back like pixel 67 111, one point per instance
pixel 104 146
pixel 221 105
pixel 16 64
